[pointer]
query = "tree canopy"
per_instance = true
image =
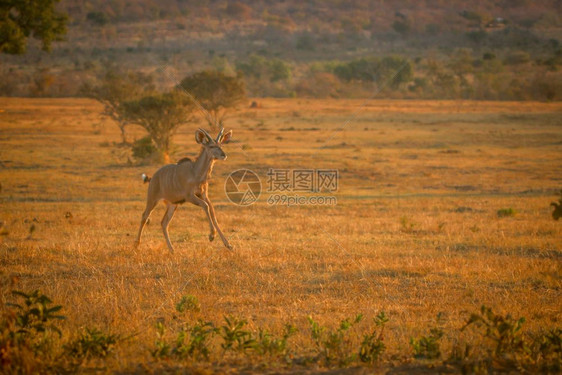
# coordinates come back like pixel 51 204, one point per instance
pixel 20 19
pixel 160 115
pixel 216 92
pixel 116 88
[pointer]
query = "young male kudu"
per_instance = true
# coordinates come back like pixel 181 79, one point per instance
pixel 187 181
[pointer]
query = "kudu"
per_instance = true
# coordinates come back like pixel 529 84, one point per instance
pixel 187 181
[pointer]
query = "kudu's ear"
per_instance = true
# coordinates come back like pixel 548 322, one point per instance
pixel 201 137
pixel 226 137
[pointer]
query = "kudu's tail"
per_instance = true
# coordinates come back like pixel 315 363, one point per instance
pixel 146 178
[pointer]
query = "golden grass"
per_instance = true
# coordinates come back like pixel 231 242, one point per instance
pixel 415 231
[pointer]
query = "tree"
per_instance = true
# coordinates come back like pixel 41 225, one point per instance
pixel 116 88
pixel 216 92
pixel 160 115
pixel 20 19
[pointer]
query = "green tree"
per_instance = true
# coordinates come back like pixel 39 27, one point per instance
pixel 20 19
pixel 216 92
pixel 160 115
pixel 116 88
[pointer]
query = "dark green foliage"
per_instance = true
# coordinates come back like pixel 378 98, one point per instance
pixel 163 349
pixel 26 334
pixel 235 337
pixel 506 212
pixel 115 89
pixel 267 344
pixel 429 347
pixel 35 315
pixel 22 19
pixel 193 341
pixel 160 115
pixel 215 91
pixel 92 343
pixel 391 70
pixel 503 331
pixel 334 346
pixel 506 348
pixel 188 303
pixel 143 148
pixel 266 76
pixel 372 346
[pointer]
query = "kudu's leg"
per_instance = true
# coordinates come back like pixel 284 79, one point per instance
pixel 206 205
pixel 146 214
pixel 212 229
pixel 170 210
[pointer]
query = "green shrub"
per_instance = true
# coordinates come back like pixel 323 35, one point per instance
pixel 143 148
pixel 428 347
pixel 372 346
pixel 26 340
pixel 334 346
pixel 506 212
pixel 188 303
pixel 234 337
pixel 92 343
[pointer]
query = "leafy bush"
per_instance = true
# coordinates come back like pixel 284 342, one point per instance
pixel 188 303
pixel 267 344
pixel 143 148
pixel 235 337
pixel 192 342
pixel 372 346
pixel 428 347
pixel 506 348
pixel 506 212
pixel 26 340
pixel 92 343
pixel 35 315
pixel 334 346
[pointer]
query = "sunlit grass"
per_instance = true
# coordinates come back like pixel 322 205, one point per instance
pixel 416 230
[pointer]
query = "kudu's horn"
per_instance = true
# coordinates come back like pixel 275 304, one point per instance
pixel 206 134
pixel 220 135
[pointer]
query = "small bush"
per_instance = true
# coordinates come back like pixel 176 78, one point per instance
pixel 188 303
pixel 334 346
pixel 428 347
pixel 143 148
pixel 26 340
pixel 192 342
pixel 506 212
pixel 234 336
pixel 505 348
pixel 373 346
pixel 267 344
pixel 92 343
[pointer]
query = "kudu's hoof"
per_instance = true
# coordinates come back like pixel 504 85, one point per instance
pixel 211 237
pixel 229 247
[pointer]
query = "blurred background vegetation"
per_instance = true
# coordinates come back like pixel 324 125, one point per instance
pixel 483 49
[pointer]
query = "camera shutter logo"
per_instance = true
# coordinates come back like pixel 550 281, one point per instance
pixel 242 187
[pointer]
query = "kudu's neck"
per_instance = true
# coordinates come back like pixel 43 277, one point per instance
pixel 203 165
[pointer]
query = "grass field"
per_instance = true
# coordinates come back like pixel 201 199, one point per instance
pixel 415 232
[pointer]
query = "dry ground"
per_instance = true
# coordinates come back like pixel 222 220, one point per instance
pixel 415 231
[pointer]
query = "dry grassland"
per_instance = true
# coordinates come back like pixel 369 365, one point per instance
pixel 415 231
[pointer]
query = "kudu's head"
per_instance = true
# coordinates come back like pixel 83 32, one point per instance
pixel 213 146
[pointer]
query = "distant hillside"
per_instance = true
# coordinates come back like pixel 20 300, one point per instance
pixel 502 49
